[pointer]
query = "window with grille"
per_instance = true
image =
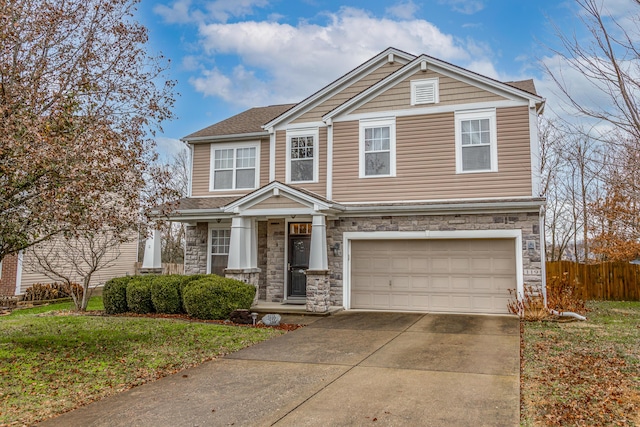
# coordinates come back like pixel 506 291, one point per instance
pixel 476 148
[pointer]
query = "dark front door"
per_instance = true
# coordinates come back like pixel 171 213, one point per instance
pixel 299 245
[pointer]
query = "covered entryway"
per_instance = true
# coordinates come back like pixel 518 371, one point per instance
pixel 452 275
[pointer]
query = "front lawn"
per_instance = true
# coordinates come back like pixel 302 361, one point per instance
pixel 52 361
pixel 583 373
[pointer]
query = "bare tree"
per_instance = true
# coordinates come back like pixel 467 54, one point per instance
pixel 79 101
pixel 71 260
pixel 598 157
pixel 166 182
pixel 610 62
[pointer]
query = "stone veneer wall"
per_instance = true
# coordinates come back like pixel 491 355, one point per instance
pixel 195 257
pixel 262 259
pixel 276 246
pixel 528 222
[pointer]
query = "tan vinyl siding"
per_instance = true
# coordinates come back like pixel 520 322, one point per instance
pixel 264 162
pixel 316 113
pixel 281 173
pixel 202 170
pixel 426 162
pixel 281 155
pixel 122 266
pixel 451 92
pixel 278 203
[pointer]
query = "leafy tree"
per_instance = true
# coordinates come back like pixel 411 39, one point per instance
pixel 80 100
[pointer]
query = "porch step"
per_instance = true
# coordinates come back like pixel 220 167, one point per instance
pixel 264 307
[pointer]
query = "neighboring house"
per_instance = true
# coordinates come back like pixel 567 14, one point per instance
pixel 17 271
pixel 407 184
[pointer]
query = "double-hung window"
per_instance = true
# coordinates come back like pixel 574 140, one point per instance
pixel 234 167
pixel 219 250
pixel 377 148
pixel 302 155
pixel 476 143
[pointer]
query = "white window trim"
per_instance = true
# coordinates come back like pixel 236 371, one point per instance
pixel 214 226
pixel 292 133
pixel 234 146
pixel 436 90
pixel 461 116
pixel 378 122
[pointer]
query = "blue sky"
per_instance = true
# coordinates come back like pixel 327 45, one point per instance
pixel 230 55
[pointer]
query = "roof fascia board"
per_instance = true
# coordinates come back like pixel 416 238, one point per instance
pixel 234 137
pixel 455 208
pixel 338 84
pixel 268 191
pixel 439 67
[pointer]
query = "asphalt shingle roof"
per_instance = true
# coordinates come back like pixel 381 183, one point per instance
pixel 525 85
pixel 249 121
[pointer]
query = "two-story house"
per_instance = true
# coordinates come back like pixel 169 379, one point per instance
pixel 407 184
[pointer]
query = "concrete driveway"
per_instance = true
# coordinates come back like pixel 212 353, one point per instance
pixel 349 369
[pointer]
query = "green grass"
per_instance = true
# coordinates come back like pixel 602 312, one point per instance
pixel 583 373
pixel 51 361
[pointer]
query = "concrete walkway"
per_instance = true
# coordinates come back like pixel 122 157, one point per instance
pixel 349 369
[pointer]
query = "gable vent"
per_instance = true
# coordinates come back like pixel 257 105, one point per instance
pixel 424 91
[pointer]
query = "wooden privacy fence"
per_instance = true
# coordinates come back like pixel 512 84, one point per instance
pixel 166 268
pixel 606 281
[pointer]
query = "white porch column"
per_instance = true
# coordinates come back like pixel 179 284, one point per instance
pixel 253 243
pixel 237 244
pixel 318 252
pixel 243 244
pixel 153 252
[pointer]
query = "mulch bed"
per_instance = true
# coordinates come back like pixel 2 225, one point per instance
pixel 187 318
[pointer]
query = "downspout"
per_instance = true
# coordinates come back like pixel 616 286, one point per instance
pixel 567 314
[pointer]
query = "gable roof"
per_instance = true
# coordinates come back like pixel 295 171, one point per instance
pixel 442 67
pixel 339 84
pixel 247 122
pixel 525 85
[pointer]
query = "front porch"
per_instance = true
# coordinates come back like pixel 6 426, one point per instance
pixel 274 239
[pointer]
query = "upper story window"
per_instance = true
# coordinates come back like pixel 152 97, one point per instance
pixel 476 142
pixel 377 148
pixel 302 155
pixel 234 166
pixel 424 91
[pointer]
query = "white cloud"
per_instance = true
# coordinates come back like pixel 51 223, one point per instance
pixel 468 7
pixel 484 67
pixel 177 13
pixel 589 93
pixel 168 147
pixel 283 63
pixel 241 87
pixel 403 10
pixel 181 11
pixel 222 10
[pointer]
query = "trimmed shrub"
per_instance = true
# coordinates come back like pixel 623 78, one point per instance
pixel 139 295
pixel 215 297
pixel 114 295
pixel 166 294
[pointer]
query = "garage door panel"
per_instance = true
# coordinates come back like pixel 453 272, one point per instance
pixel 471 275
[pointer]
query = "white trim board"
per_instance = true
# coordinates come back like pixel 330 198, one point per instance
pixel 349 236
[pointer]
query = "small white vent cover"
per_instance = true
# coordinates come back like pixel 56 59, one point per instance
pixel 424 91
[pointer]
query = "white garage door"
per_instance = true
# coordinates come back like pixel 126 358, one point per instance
pixel 462 276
